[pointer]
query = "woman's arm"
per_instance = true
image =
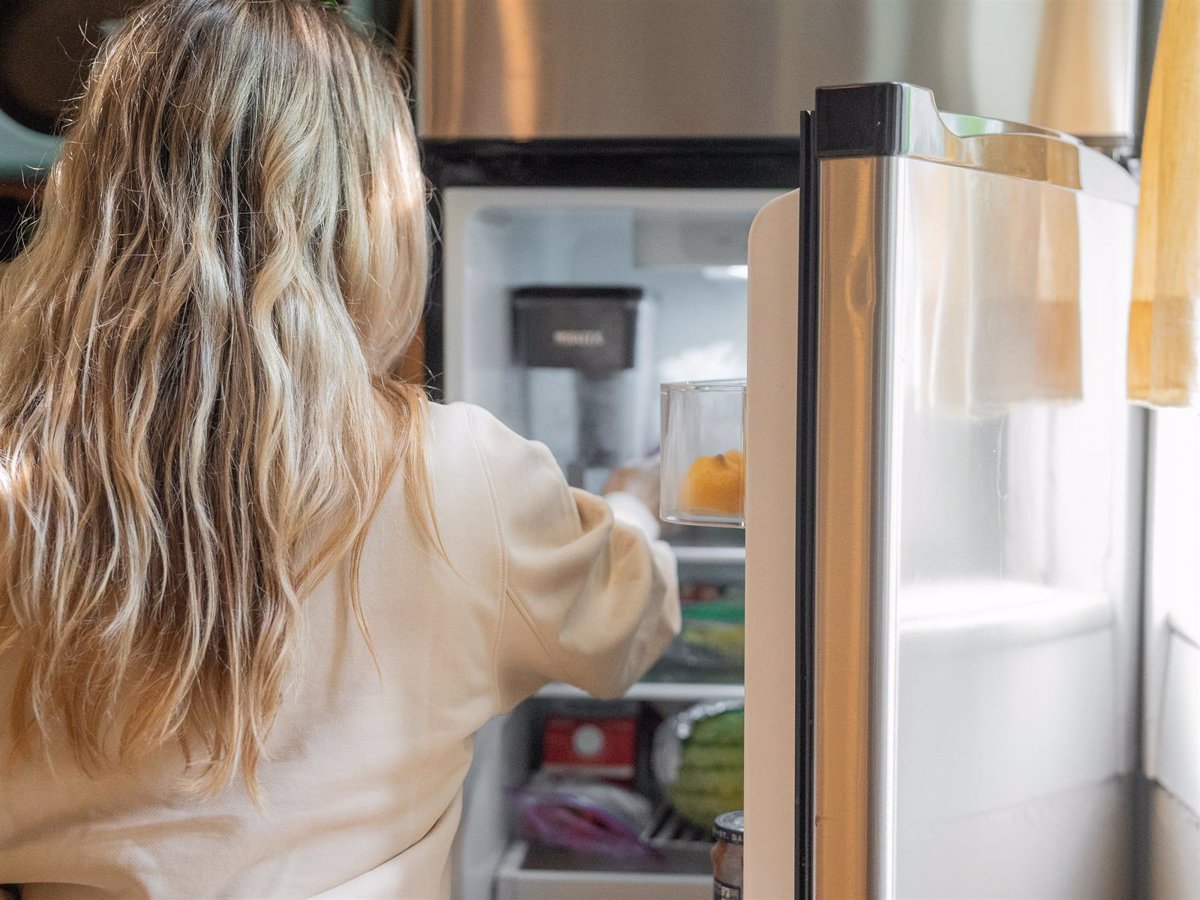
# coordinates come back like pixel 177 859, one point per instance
pixel 587 598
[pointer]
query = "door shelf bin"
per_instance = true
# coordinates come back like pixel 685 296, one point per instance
pixel 541 873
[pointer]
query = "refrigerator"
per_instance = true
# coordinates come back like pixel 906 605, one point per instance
pixel 972 595
pixel 971 658
pixel 660 223
pixel 946 505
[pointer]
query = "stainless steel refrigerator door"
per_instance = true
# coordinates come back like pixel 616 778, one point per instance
pixel 705 68
pixel 978 516
pixel 976 578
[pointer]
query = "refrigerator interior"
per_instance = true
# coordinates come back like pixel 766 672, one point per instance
pixel 686 250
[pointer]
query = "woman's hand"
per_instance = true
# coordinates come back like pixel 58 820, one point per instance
pixel 640 479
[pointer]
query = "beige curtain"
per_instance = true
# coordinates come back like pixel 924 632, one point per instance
pixel 1164 321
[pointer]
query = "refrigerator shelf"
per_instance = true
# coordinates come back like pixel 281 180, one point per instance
pixel 700 555
pixel 669 829
pixel 661 691
pixel 540 873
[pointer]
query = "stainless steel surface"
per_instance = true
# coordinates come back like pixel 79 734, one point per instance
pixel 671 68
pixel 976 622
pixel 986 144
pixel 855 664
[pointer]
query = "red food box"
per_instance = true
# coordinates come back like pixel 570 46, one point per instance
pixel 597 746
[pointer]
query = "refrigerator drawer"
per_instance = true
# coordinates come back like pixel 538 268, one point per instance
pixel 531 873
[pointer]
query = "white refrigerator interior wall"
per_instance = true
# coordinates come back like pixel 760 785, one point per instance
pixel 687 250
pixel 1172 674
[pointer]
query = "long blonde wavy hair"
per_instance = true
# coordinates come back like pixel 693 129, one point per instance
pixel 196 420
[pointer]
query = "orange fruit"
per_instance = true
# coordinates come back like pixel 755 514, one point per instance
pixel 715 485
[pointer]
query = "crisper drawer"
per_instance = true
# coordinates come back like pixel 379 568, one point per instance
pixel 536 873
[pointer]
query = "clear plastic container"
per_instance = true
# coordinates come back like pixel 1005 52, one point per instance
pixel 703 456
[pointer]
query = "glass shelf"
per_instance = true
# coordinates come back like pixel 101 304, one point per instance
pixel 662 691
pixel 711 555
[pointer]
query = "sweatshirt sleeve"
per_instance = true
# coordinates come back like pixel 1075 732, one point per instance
pixel 587 598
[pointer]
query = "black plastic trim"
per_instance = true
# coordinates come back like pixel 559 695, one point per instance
pixel 807 372
pixel 434 318
pixel 860 120
pixel 577 292
pixel 648 163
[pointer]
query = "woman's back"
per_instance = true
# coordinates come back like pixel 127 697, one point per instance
pixel 361 784
pixel 255 595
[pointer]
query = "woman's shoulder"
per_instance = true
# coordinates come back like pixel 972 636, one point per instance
pixel 471 452
pixel 456 427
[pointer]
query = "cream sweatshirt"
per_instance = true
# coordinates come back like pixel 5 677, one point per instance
pixel 362 788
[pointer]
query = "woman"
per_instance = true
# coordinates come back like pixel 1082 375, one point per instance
pixel 255 597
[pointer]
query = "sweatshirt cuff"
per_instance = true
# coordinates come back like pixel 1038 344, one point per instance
pixel 629 510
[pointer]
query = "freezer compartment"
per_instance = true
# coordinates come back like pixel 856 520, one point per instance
pixel 709 68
